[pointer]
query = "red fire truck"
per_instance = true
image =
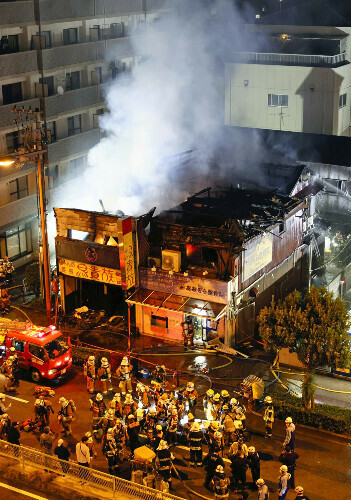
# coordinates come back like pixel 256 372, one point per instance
pixel 43 352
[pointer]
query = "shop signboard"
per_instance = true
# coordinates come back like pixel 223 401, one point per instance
pixel 188 286
pixel 90 272
pixel 257 255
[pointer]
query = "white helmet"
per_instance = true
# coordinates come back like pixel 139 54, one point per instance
pixel 117 396
pixel 220 469
pixel 159 427
pixel 195 427
pixel 125 361
pixel 284 468
pixel 99 397
pixel 104 362
pixel 128 398
pixel 2 396
pixel 190 386
pixel 63 401
pixel 163 445
pixel 251 449
pixel 268 400
pixel 288 420
pixel 91 360
pixel 260 482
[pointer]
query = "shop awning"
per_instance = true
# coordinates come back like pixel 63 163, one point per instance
pixel 177 303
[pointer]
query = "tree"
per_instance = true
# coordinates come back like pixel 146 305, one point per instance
pixel 315 326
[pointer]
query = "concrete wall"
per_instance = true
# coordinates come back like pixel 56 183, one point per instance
pixel 313 94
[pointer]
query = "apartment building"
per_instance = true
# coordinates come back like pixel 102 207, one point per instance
pixel 298 76
pixel 58 57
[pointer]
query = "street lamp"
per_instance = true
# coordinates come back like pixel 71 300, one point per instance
pixel 35 156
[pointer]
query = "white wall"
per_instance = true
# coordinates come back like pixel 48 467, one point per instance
pixel 313 98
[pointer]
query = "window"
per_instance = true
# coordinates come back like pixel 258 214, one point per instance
pixel 159 321
pixel 52 176
pixel 342 100
pixel 18 241
pixel 51 131
pixel 47 37
pixel 76 166
pixel 56 347
pixel 48 82
pixel 13 141
pixel 19 346
pixel 96 76
pixel 18 188
pixel 73 80
pixel 96 117
pixel 37 351
pixel 74 124
pixel 12 93
pixel 281 227
pixel 278 100
pixel 9 44
pixel 70 36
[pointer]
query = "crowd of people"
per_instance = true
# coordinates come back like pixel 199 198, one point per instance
pixel 6 275
pixel 150 414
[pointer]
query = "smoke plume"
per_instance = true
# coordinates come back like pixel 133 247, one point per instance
pixel 172 101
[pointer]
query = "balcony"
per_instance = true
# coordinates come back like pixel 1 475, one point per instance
pixel 6 116
pixel 76 145
pixel 74 99
pixel 80 9
pixel 16 13
pixel 19 209
pixel 67 55
pixel 289 59
pixel 18 62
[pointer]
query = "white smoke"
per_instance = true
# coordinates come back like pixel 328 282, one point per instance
pixel 173 101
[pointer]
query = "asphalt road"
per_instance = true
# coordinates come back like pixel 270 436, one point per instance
pixel 20 492
pixel 323 466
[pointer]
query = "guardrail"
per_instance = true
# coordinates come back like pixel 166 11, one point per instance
pixel 304 59
pixel 115 485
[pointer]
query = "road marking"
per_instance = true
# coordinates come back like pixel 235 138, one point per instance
pixel 17 399
pixel 32 495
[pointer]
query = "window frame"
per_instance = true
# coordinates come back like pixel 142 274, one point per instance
pixel 75 130
pixel 342 100
pixel 19 191
pixel 27 230
pixel 279 98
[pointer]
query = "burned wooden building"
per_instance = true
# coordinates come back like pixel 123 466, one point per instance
pixel 97 257
pixel 219 257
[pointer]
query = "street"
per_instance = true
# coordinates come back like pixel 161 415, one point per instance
pixel 323 464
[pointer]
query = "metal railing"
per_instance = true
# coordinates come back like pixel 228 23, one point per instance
pixel 278 58
pixel 115 485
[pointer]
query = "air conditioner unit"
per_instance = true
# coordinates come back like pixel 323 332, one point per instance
pixel 171 260
pixel 153 262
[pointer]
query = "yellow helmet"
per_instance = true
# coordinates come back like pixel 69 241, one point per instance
pixel 216 397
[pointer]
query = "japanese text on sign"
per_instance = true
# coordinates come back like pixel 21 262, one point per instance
pixel 129 260
pixel 90 272
pixel 257 256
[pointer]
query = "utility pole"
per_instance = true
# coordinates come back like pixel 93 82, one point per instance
pixel 34 149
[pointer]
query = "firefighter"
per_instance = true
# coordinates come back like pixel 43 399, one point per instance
pixel 188 333
pixel 217 441
pixel 105 423
pixel 161 411
pixel 158 437
pixel 5 301
pixel 123 372
pixel 233 405
pixel 195 445
pixel 284 482
pixel 2 272
pixel 238 447
pixel 3 407
pixel 225 397
pixel 217 406
pixel 211 429
pixel 239 467
pixel 228 422
pixel 129 407
pixel 15 367
pixel 92 449
pixel 5 423
pixel 290 434
pixel 263 491
pixel 172 427
pixel 160 374
pixel 254 464
pixel 8 268
pixel 190 394
pixel 90 374
pixel 211 462
pixel 220 484
pixel 241 417
pixel 300 494
pixel 104 376
pixel 98 408
pixel 164 462
pixel 187 426
pixel 132 433
pixel 7 369
pixel 158 391
pixel 208 400
pixel 116 405
pixel 65 415
pixel 268 416
pixel 288 457
pixel 143 394
pixel 42 410
pixel 110 451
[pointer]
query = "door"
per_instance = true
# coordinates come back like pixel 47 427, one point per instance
pixel 19 346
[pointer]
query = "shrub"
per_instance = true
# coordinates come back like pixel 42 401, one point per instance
pixel 330 418
pixel 33 278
